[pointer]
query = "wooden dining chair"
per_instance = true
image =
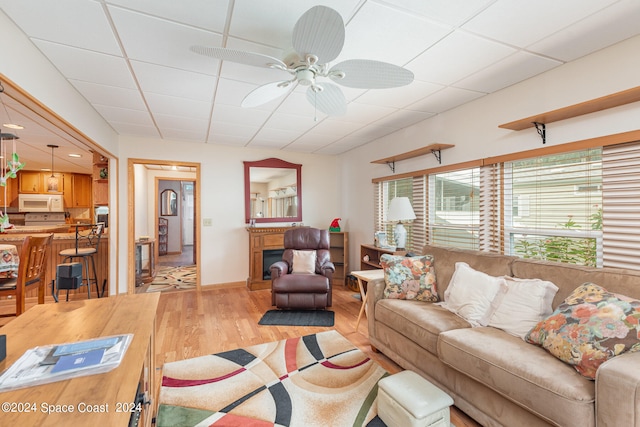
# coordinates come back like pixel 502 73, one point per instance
pixel 32 268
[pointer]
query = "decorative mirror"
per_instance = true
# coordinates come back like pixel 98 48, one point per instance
pixel 168 203
pixel 272 191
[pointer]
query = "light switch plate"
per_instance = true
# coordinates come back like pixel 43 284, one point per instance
pixel 206 222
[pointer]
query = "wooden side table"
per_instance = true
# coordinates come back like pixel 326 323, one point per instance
pixel 365 276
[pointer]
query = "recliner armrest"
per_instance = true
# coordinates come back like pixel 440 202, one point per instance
pixel 278 269
pixel 328 268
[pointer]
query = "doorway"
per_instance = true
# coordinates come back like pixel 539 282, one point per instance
pixel 144 216
pixel 176 227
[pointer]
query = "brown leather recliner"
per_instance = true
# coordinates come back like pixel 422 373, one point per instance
pixel 303 291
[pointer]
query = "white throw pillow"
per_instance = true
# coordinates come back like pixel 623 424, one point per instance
pixel 526 302
pixel 470 293
pixel 304 262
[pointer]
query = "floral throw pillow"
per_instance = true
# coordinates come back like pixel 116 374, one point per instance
pixel 411 278
pixel 590 327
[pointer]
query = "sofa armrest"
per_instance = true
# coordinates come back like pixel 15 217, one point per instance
pixel 618 391
pixel 375 290
pixel 278 269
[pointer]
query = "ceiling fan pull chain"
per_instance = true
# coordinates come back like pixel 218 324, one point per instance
pixel 315 106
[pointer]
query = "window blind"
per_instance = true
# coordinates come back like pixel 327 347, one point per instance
pixel 491 217
pixel 621 205
pixel 419 226
pixel 554 205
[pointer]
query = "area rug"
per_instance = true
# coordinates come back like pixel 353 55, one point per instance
pixel 298 318
pixel 170 278
pixel 314 380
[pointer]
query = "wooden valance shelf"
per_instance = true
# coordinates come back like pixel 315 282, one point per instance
pixel 598 104
pixel 434 149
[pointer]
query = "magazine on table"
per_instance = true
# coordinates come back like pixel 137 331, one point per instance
pixel 57 362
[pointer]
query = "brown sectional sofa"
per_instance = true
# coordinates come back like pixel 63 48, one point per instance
pixel 497 378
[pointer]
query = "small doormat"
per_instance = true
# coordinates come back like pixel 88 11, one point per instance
pixel 298 318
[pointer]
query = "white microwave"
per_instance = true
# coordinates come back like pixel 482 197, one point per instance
pixel 40 203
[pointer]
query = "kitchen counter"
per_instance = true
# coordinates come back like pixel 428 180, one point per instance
pixel 60 242
pixel 34 229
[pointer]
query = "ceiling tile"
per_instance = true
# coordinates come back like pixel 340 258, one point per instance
pixel 173 82
pixel 239 115
pixel 444 100
pixel 402 37
pixel 401 96
pixel 163 42
pixel 206 14
pixel 99 94
pixel 52 21
pixel 231 129
pixel 179 107
pixel 404 118
pixel 456 57
pixel 515 68
pixel 523 22
pixel 451 12
pixel 616 22
pixel 125 115
pixel 88 66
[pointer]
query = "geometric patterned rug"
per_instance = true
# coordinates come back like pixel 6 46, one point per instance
pixel 170 278
pixel 315 380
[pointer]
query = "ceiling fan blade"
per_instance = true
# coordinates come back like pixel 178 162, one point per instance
pixel 319 32
pixel 265 93
pixel 242 57
pixel 369 74
pixel 330 100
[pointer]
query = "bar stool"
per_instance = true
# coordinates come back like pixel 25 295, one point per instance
pixel 87 243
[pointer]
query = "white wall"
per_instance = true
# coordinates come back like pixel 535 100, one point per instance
pixel 473 127
pixel 224 254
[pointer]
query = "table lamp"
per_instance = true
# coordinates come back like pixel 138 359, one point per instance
pixel 400 210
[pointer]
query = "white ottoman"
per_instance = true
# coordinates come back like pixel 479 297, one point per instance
pixel 406 399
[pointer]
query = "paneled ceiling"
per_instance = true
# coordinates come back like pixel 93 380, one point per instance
pixel 131 60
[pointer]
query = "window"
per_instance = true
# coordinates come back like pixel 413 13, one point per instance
pixel 454 214
pixel 386 191
pixel 580 207
pixel 553 207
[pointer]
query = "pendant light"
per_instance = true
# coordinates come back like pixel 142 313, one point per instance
pixel 52 182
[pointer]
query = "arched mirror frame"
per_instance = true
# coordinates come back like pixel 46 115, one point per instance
pixel 168 203
pixel 271 163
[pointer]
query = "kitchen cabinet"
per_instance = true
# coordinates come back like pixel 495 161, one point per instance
pixel 30 182
pixel 81 189
pixel 11 192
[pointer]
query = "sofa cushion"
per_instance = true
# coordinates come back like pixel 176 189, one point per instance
pixel 409 277
pixel 471 292
pixel 444 259
pixel 304 262
pixel 421 322
pixel 522 305
pixel 589 328
pixel 522 373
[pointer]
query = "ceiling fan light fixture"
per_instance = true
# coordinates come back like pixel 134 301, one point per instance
pixel 305 77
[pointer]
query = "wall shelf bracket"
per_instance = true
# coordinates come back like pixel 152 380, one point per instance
pixel 437 154
pixel 392 166
pixel 542 131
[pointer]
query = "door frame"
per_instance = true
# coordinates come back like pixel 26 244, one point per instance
pixel 131 245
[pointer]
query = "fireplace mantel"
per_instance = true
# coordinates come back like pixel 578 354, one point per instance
pixel 262 239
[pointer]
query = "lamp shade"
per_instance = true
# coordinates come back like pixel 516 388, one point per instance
pixel 400 210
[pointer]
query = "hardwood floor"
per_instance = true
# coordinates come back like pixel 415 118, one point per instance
pixel 192 323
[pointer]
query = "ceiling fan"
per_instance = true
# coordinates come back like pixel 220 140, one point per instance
pixel 318 38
